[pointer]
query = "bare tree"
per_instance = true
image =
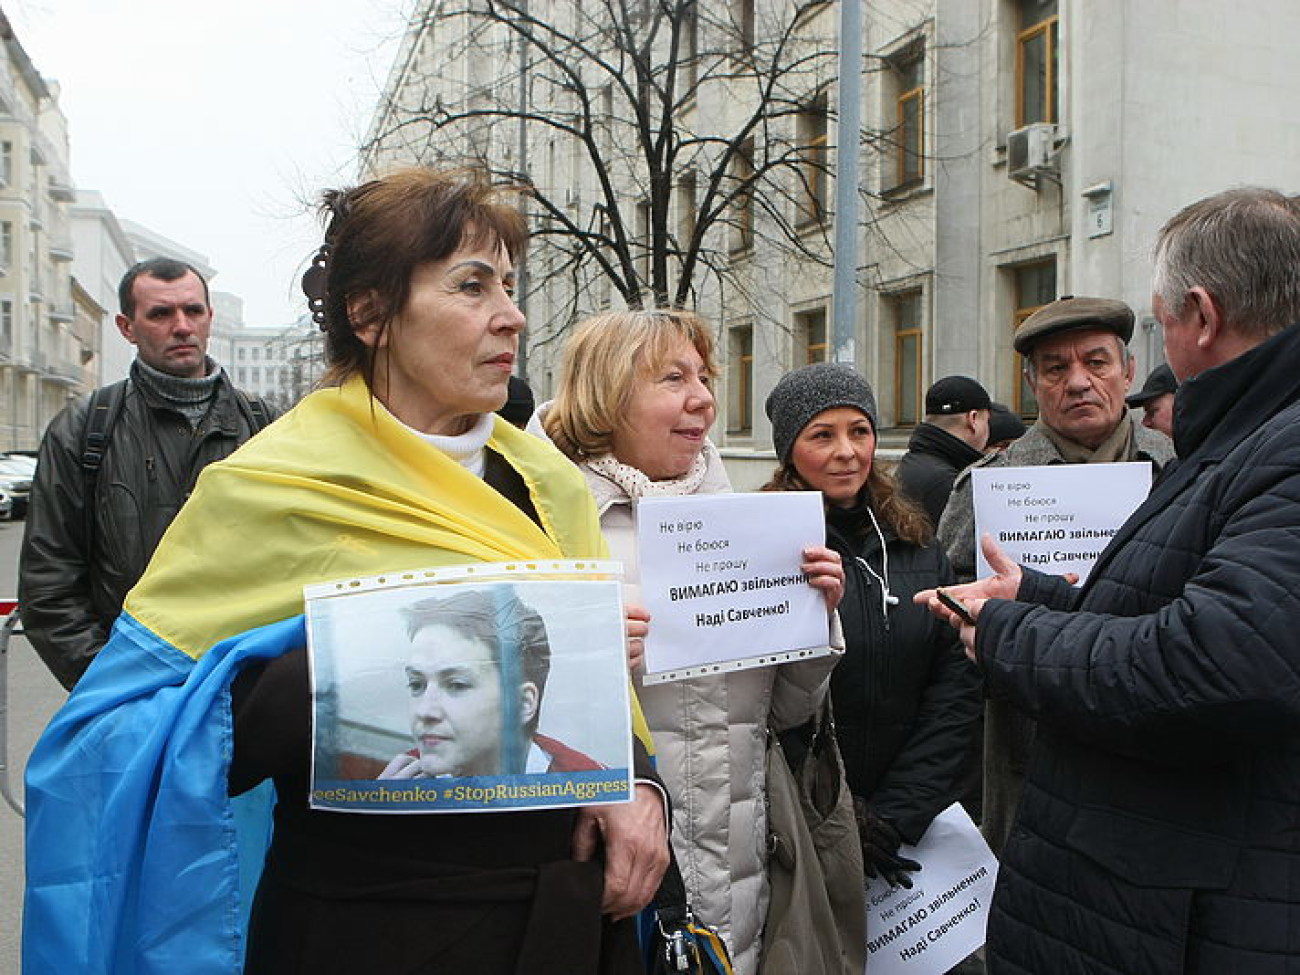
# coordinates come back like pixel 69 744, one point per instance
pixel 657 136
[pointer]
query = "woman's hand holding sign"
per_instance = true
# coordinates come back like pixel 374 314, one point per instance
pixel 825 571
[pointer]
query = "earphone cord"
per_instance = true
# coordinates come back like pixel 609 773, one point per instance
pixel 887 599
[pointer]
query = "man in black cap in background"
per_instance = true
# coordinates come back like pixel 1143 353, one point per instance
pixel 953 436
pixel 1005 428
pixel 1079 368
pixel 1156 400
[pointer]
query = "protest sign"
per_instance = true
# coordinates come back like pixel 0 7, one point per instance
pixel 721 576
pixel 470 689
pixel 931 927
pixel 1056 518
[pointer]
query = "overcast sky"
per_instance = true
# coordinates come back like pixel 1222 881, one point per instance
pixel 212 123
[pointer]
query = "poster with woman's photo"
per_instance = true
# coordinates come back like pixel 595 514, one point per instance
pixel 470 689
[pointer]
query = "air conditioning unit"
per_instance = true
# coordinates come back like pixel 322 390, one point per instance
pixel 1031 152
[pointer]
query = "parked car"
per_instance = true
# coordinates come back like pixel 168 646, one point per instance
pixel 16 473
pixel 6 505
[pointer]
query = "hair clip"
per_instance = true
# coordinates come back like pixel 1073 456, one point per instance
pixel 313 285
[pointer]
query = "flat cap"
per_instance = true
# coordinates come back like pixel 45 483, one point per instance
pixel 956 394
pixel 1071 314
pixel 1160 381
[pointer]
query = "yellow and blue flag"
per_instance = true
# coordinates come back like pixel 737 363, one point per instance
pixel 132 843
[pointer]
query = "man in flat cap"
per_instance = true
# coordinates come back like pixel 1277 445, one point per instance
pixel 953 436
pixel 1158 831
pixel 1156 400
pixel 1079 368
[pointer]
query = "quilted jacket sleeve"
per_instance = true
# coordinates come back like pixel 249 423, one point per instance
pixel 1202 656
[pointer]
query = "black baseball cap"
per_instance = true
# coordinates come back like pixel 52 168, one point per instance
pixel 1160 381
pixel 956 394
pixel 1004 425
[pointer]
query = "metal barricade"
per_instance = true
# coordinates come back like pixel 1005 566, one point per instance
pixel 10 625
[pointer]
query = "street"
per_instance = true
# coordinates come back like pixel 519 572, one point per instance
pixel 32 696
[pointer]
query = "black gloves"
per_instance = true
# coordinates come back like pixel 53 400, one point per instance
pixel 880 843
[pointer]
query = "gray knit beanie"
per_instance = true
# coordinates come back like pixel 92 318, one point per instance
pixel 802 394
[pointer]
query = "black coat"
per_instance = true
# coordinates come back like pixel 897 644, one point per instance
pixel 933 460
pixel 71 587
pixel 905 696
pixel 1160 826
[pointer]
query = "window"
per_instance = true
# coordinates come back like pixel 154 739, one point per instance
pixel 908 74
pixel 6 246
pixel 641 246
pixel 740 381
pixel 1035 287
pixel 6 325
pixel 812 126
pixel 6 163
pixel 810 328
pixel 742 16
pixel 241 374
pixel 685 210
pixel 257 353
pixel 242 354
pixel 742 171
pixel 1037 59
pixel 906 310
pixel 688 54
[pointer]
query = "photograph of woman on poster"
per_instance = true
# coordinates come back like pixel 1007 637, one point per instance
pixel 476 675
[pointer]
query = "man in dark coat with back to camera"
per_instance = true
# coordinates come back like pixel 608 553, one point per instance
pixel 953 436
pixel 1160 826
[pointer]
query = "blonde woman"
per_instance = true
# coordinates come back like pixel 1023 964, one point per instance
pixel 633 410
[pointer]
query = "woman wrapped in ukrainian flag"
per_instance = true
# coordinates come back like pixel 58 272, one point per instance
pixel 202 693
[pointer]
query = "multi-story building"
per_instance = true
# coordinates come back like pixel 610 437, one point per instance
pixel 42 353
pixel 101 254
pixel 1011 151
pixel 279 363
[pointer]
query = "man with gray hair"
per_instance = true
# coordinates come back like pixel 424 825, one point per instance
pixel 1158 827
pixel 1078 366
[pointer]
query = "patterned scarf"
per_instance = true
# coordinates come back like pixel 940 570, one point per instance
pixel 638 485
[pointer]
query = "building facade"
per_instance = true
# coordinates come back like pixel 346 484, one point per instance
pixel 43 355
pixel 1012 151
pixel 281 364
pixel 101 254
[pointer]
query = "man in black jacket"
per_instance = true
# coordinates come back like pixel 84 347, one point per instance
pixel 953 436
pixel 1158 829
pixel 98 510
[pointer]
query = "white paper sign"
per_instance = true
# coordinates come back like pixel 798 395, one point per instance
pixel 941 920
pixel 1056 518
pixel 721 577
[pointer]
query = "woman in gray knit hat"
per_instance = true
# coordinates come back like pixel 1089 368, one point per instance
pixel 905 696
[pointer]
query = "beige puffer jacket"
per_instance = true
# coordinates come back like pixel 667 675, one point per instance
pixel 709 733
